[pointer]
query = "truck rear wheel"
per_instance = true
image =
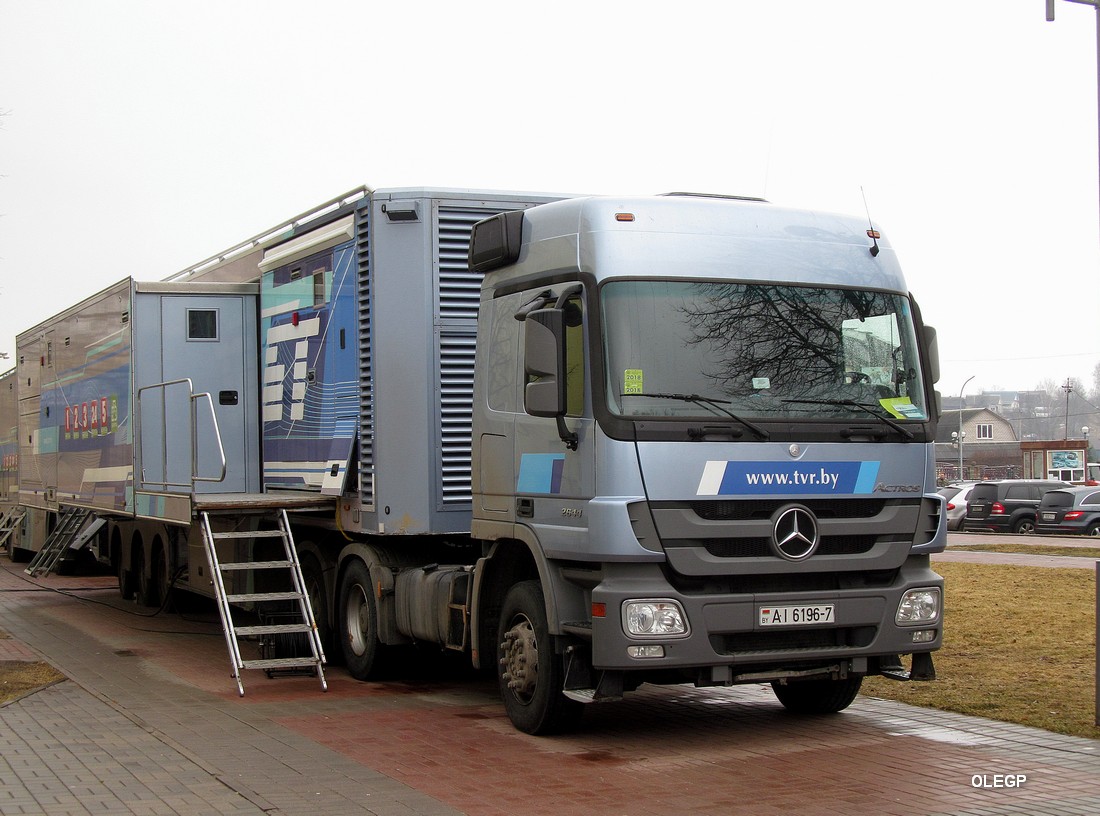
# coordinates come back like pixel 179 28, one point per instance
pixel 530 673
pixel 314 580
pixel 818 696
pixel 358 611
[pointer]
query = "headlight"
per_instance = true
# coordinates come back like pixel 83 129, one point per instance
pixel 657 618
pixel 919 606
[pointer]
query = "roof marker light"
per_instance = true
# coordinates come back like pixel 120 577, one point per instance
pixel 624 216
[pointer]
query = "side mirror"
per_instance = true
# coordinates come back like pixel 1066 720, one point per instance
pixel 932 346
pixel 544 359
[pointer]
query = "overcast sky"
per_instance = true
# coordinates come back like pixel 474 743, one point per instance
pixel 141 137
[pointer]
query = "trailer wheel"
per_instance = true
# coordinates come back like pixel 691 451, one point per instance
pixel 358 610
pixel 818 696
pixel 125 575
pixel 530 673
pixel 145 589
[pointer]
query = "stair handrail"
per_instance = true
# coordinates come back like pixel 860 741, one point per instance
pixel 193 417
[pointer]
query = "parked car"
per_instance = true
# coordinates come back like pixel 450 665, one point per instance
pixel 955 497
pixel 1071 511
pixel 1006 506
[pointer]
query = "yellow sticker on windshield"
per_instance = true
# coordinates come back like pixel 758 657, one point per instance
pixel 632 381
pixel 902 408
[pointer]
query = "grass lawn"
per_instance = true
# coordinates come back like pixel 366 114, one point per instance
pixel 1032 549
pixel 1019 646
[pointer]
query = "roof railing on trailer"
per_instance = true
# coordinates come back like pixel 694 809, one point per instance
pixel 267 236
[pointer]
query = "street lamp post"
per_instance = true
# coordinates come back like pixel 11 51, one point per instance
pixel 961 435
pixel 1096 5
pixel 1085 433
pixel 1050 16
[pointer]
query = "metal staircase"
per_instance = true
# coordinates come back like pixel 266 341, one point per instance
pixel 75 528
pixel 9 523
pixel 301 623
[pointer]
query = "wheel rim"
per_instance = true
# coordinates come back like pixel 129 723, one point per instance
pixel 520 659
pixel 358 620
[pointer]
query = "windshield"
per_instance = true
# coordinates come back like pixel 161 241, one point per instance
pixel 759 351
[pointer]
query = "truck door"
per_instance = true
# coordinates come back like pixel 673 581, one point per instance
pixel 556 478
pixel 211 340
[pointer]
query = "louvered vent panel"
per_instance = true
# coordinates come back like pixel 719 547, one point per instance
pixel 456 363
pixel 459 288
pixel 366 374
pixel 459 293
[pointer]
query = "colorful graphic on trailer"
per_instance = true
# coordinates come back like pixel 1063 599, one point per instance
pixel 310 380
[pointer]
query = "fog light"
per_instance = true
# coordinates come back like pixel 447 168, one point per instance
pixel 924 635
pixel 656 618
pixel 919 606
pixel 645 651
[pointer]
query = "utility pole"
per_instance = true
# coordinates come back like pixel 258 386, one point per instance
pixel 1068 388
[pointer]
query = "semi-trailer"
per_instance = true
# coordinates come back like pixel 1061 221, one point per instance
pixel 587 441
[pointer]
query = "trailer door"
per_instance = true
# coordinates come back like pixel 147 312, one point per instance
pixel 211 340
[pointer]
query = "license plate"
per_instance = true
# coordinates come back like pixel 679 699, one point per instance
pixel 1048 516
pixel 796 615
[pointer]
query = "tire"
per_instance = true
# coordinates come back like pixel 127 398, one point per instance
pixel 364 654
pixel 18 555
pixel 530 673
pixel 162 583
pixel 818 696
pixel 314 580
pixel 145 588
pixel 126 583
pixel 1093 529
pixel 1025 526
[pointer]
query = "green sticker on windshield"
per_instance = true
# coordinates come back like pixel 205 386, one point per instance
pixel 632 381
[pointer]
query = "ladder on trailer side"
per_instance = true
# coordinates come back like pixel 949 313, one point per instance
pixel 9 523
pixel 301 618
pixel 75 528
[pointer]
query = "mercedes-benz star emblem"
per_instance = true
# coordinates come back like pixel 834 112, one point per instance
pixel 795 535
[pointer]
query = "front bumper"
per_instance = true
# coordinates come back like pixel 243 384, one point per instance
pixel 725 629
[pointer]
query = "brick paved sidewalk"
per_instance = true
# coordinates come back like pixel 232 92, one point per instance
pixel 151 724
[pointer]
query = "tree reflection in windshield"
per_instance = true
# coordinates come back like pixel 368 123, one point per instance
pixel 760 346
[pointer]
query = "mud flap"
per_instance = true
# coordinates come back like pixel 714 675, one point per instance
pixel 586 685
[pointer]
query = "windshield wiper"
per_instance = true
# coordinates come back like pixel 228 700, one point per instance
pixel 711 403
pixel 853 404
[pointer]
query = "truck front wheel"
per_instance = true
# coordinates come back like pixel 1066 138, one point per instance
pixel 358 611
pixel 818 696
pixel 529 671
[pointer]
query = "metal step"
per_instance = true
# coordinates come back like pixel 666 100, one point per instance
pixel 246 597
pixel 272 629
pixel 279 663
pixel 248 534
pixel 248 565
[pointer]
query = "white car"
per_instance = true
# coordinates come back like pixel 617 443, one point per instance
pixel 956 496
